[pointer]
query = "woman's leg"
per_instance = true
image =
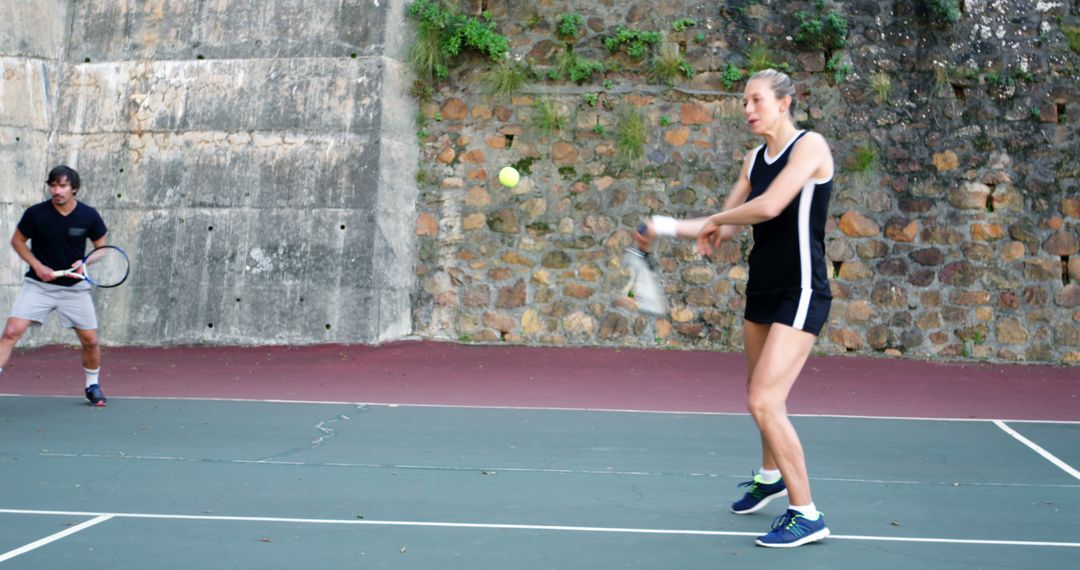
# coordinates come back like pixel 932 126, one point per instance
pixel 754 336
pixel 777 365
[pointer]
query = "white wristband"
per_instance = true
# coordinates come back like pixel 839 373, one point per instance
pixel 664 225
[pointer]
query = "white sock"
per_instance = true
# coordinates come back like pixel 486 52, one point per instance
pixel 91 376
pixel 808 511
pixel 768 476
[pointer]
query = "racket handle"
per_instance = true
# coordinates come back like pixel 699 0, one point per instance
pixel 59 273
pixel 642 228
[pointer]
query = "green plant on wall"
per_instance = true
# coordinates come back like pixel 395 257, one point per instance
pixel 1073 35
pixel 669 64
pixel 547 116
pixel 730 76
pixel 629 137
pixel 569 26
pixel 864 158
pixel 443 32
pixel 942 80
pixel 506 78
pixel 941 11
pixel 881 87
pixel 838 68
pixel 760 57
pixel 577 69
pixel 824 30
pixel 637 42
pixel 683 23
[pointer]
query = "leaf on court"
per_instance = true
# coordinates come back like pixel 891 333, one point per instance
pixel 264 539
pixel 894 523
pixel 403 549
pixel 489 472
pixel 359 516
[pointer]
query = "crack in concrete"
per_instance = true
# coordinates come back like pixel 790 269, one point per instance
pixel 328 432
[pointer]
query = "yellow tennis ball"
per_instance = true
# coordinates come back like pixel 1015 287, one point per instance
pixel 509 177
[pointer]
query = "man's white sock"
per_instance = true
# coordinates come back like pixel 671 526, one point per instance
pixel 91 376
pixel 808 511
pixel 768 476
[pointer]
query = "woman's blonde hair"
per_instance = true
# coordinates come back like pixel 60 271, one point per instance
pixel 781 85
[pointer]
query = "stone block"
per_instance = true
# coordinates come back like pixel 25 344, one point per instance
pixel 887 294
pixel 513 296
pixel 1068 296
pixel 854 271
pixel 1062 243
pixel 987 232
pixel 426 225
pixel 946 160
pixel 970 196
pixel 902 230
pixel 930 256
pixel 958 274
pixel 1042 269
pixel 854 224
pixel 1013 251
pixel 1070 207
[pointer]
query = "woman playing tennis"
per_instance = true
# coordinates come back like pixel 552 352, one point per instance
pixel 783 192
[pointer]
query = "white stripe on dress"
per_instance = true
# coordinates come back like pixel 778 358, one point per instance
pixel 806 199
pixel 782 151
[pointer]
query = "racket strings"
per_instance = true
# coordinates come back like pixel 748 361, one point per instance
pixel 106 267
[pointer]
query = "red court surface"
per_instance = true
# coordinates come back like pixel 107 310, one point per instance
pixel 435 373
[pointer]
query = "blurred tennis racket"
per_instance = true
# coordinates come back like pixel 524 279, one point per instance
pixel 104 267
pixel 644 284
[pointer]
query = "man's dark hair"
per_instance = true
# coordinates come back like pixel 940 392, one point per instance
pixel 62 171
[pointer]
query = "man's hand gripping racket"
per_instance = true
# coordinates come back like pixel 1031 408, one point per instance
pixel 644 285
pixel 104 267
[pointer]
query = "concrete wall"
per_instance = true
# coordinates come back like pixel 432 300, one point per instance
pixel 240 151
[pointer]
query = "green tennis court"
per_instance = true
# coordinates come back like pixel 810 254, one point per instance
pixel 176 483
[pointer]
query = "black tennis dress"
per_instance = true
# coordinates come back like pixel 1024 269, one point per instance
pixel 788 281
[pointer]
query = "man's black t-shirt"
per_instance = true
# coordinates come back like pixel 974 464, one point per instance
pixel 58 240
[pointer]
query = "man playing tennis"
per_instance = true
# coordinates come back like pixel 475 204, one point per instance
pixel 57 230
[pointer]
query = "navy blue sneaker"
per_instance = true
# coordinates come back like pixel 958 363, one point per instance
pixel 793 529
pixel 758 496
pixel 95 395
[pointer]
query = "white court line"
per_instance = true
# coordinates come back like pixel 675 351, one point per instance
pixel 405 467
pixel 1037 449
pixel 545 408
pixel 99 518
pixel 622 530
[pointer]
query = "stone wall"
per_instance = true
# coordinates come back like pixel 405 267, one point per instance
pixel 955 219
pixel 241 151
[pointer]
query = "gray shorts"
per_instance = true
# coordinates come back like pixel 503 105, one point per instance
pixel 36 300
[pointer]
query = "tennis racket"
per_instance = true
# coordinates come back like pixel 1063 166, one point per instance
pixel 104 267
pixel 644 284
